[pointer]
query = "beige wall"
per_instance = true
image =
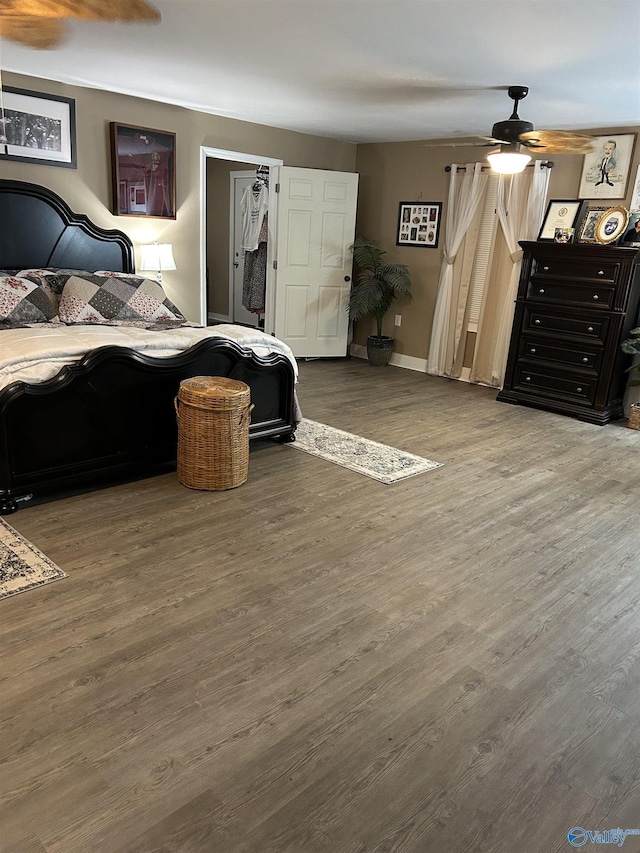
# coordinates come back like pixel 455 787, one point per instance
pixel 87 189
pixel 395 172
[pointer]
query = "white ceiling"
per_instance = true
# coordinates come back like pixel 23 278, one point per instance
pixel 366 70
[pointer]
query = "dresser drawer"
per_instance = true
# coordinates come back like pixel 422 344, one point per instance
pixel 570 324
pixel 571 293
pixel 563 353
pixel 534 380
pixel 586 270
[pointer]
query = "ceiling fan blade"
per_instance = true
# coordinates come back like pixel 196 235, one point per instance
pixel 39 33
pixel 94 10
pixel 557 141
pixel 478 141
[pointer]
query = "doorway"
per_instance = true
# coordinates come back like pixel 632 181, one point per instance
pixel 216 262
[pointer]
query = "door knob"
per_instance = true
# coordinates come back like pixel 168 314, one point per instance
pixel 347 278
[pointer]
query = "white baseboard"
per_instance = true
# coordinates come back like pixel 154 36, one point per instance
pixel 409 362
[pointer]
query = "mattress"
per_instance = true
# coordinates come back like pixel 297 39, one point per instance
pixel 38 353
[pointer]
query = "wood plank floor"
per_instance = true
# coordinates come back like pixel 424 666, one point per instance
pixel 319 663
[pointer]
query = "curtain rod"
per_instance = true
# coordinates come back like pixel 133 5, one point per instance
pixel 547 164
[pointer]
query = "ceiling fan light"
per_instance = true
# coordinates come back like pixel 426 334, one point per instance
pixel 508 162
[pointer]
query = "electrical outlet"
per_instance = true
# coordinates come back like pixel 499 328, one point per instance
pixel 398 319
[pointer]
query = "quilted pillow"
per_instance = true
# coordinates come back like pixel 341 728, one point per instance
pixel 24 301
pixel 50 278
pixel 95 298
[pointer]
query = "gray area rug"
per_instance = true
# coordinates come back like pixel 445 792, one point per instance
pixel 22 565
pixel 379 461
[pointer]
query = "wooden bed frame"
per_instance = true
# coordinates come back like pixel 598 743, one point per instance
pixel 109 416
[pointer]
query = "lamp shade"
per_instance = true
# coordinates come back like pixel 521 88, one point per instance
pixel 157 256
pixel 509 161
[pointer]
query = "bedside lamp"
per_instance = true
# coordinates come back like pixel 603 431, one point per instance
pixel 157 256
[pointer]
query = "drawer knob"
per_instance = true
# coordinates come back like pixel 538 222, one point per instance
pixel 542 290
pixel 595 296
pixel 590 329
pixel 533 349
pixel 586 360
pixel 537 322
pixel 546 269
pixel 600 272
pixel 527 379
pixel 578 390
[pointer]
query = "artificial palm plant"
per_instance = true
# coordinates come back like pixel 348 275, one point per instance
pixel 377 285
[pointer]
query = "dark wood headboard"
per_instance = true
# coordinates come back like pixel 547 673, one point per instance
pixel 39 229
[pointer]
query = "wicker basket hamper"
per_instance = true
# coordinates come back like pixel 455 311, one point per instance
pixel 634 416
pixel 213 432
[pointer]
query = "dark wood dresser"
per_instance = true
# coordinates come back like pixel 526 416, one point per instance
pixel 576 303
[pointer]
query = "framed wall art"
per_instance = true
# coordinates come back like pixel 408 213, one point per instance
pixel 143 172
pixel 561 213
pixel 419 223
pixel 605 171
pixel 635 195
pixel 39 128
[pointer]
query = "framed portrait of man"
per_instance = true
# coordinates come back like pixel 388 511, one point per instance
pixel 605 171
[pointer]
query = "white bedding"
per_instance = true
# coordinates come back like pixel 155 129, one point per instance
pixel 37 354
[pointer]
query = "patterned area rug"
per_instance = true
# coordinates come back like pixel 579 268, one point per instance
pixel 22 566
pixel 379 461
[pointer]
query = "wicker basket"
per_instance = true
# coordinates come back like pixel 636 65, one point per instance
pixel 213 432
pixel 634 416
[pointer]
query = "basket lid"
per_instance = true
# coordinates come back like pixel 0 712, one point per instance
pixel 215 386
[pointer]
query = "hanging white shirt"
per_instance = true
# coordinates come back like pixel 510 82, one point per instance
pixel 254 205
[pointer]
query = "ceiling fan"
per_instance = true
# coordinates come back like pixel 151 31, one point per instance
pixel 514 134
pixel 40 23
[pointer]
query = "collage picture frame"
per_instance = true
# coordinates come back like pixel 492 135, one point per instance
pixel 419 224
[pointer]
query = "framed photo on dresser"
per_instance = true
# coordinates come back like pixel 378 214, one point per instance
pixel 561 213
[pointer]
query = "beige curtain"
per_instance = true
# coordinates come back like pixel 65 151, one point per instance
pixel 466 191
pixel 521 200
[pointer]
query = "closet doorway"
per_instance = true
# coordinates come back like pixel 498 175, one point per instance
pixel 308 260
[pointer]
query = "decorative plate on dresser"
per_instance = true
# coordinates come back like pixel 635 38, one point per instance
pixel 576 303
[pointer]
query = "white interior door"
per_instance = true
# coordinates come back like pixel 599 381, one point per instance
pixel 239 182
pixel 316 215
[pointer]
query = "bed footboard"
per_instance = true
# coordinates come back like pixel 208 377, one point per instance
pixel 111 416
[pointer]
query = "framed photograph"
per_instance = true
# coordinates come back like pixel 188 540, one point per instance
pixel 632 234
pixel 587 228
pixel 561 213
pixel 143 172
pixel 563 235
pixel 419 223
pixel 612 224
pixel 635 196
pixel 39 128
pixel 605 171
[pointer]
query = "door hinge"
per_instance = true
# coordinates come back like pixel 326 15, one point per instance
pixel 275 265
pixel 277 188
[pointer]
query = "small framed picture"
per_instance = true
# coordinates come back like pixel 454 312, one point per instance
pixel 632 234
pixel 563 235
pixel 635 195
pixel 561 213
pixel 612 224
pixel 38 128
pixel 419 224
pixel 143 172
pixel 605 170
pixel 587 228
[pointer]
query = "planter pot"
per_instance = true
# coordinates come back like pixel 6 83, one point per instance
pixel 379 349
